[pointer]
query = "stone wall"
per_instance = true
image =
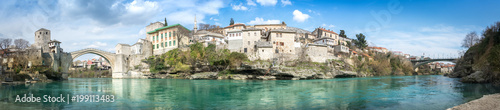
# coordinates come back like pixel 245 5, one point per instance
pixel 235 45
pixel 317 53
pixel 263 54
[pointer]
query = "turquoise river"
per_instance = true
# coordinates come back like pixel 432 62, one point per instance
pixel 432 92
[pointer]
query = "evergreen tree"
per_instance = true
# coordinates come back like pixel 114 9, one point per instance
pixel 231 22
pixel 342 34
pixel 360 41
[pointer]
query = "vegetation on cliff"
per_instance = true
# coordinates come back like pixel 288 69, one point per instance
pixel 382 64
pixel 195 59
pixel 481 62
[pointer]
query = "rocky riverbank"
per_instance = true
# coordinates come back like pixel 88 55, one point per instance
pixel 274 73
pixel 487 102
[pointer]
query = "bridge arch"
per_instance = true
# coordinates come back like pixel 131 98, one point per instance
pixel 108 56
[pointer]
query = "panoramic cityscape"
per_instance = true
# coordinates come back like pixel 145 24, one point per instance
pixel 249 54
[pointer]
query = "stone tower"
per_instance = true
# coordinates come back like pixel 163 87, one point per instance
pixel 42 38
pixel 195 27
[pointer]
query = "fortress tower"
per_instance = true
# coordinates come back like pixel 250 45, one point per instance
pixel 42 38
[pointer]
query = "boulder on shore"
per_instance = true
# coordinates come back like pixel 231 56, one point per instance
pixel 476 77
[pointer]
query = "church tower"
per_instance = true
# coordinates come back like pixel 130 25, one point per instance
pixel 195 26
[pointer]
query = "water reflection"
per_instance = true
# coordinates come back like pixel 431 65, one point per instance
pixel 396 92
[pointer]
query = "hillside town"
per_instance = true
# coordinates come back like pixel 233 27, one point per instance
pixel 270 42
pixel 262 42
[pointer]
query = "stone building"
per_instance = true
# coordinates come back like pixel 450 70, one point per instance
pixel 282 40
pixel 234 40
pixel 238 26
pixel 166 38
pixel 130 58
pixel 328 41
pixel 268 27
pixel 42 37
pixel 264 51
pixel 206 37
pixel 250 37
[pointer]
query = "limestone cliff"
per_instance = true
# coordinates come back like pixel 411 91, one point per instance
pixel 481 62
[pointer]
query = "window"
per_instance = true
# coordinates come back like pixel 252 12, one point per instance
pixel 161 36
pixel 248 34
pixel 262 50
pixel 282 44
pixel 254 33
pixel 245 50
pixel 156 37
pixel 166 44
pixel 153 38
pixel 153 48
pixel 248 42
pixel 169 34
pixel 40 32
pixel 174 42
pixel 46 32
pixel 169 43
pixel 277 51
pixel 157 45
pixel 174 34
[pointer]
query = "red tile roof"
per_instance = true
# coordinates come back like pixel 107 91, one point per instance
pixel 239 24
pixel 323 29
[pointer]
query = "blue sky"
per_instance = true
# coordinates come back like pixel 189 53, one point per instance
pixel 433 27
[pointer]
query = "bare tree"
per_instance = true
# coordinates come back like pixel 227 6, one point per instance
pixel 4 44
pixel 21 43
pixel 470 39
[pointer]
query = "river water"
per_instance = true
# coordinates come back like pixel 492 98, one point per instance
pixel 388 92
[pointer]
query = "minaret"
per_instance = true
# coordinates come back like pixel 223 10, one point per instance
pixel 195 27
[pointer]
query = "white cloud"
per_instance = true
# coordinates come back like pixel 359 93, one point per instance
pixel 239 7
pixel 330 26
pixel 261 21
pixel 97 44
pixel 214 19
pixel 98 23
pixel 251 3
pixel 267 2
pixel 437 28
pixel 299 16
pixel 314 12
pixel 286 2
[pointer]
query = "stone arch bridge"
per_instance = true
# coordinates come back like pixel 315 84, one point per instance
pixel 417 63
pixel 117 61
